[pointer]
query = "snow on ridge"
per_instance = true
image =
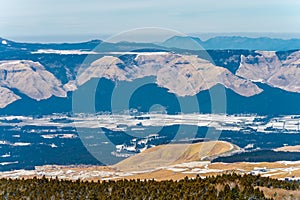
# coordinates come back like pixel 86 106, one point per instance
pixel 138 53
pixel 82 52
pixel 63 52
pixel 4 42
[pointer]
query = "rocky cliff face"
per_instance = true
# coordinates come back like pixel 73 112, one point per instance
pixel 266 67
pixel 184 75
pixel 29 78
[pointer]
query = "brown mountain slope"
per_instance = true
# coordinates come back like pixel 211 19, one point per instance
pixel 30 78
pixel 267 68
pixel 184 75
pixel 165 155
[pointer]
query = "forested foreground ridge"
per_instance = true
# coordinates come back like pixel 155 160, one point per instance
pixel 227 186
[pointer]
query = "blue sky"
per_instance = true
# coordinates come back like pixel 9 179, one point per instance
pixel 46 18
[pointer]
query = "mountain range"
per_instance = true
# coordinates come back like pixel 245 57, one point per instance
pixel 233 42
pixel 35 77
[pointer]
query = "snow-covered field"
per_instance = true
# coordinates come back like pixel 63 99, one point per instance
pixel 123 122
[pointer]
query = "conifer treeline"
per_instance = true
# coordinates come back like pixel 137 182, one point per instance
pixel 226 186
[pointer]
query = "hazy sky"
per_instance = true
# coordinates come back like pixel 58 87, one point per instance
pixel 41 18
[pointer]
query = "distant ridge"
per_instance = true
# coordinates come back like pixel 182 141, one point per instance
pixel 179 42
pixel 232 42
